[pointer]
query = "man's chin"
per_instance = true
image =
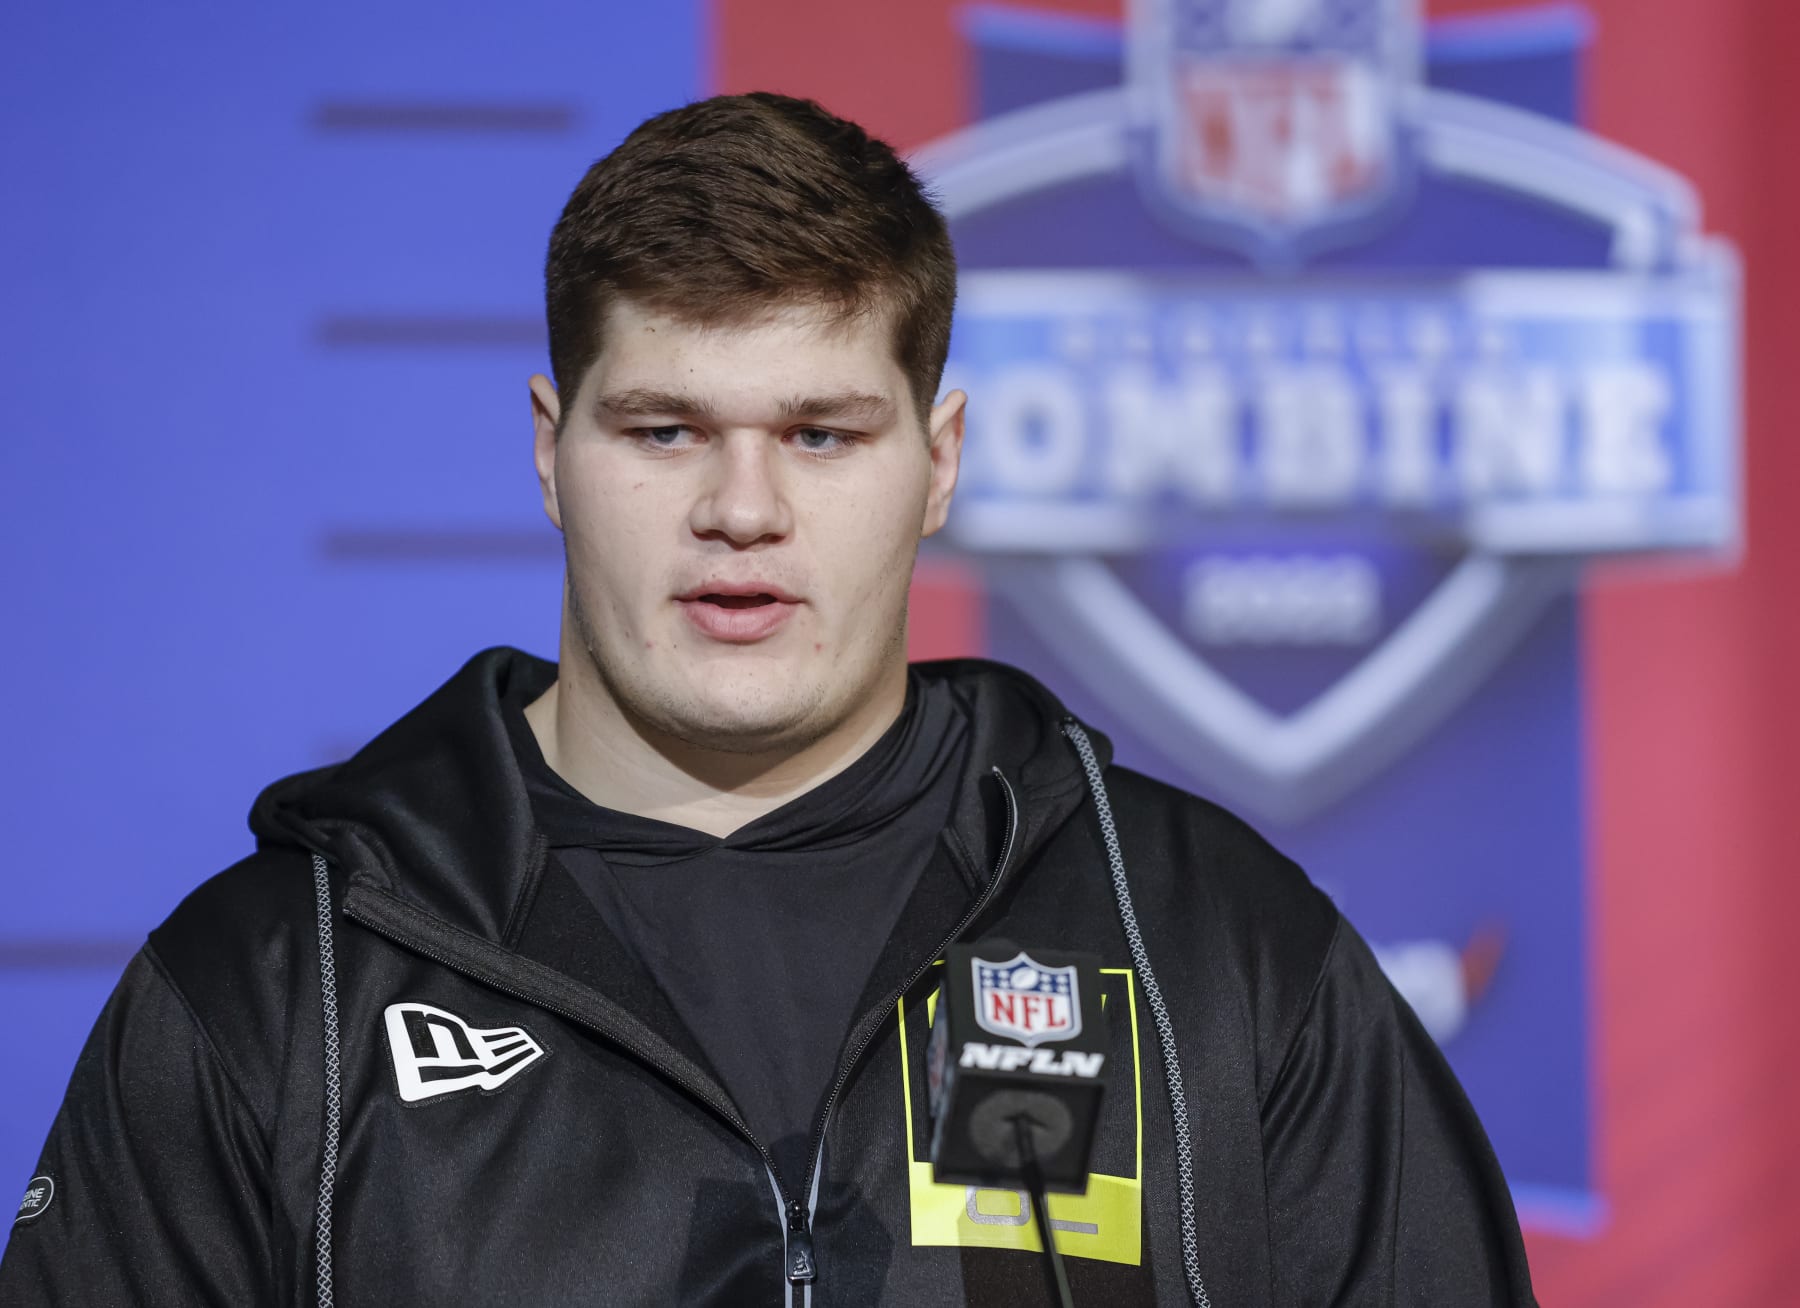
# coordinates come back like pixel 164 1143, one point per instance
pixel 741 733
pixel 735 715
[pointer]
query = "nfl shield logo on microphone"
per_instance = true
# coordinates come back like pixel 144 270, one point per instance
pixel 1025 1001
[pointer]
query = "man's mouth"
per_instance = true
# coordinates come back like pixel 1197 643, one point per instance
pixel 738 613
pixel 737 594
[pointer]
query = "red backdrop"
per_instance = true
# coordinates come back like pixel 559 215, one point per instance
pixel 1694 709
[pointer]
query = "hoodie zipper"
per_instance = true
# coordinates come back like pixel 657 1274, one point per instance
pixel 412 927
pixel 800 1219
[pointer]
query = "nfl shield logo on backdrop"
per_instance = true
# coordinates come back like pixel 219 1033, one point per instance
pixel 1025 1001
pixel 1272 125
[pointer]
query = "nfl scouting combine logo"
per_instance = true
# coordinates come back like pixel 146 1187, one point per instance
pixel 1287 511
pixel 1024 1001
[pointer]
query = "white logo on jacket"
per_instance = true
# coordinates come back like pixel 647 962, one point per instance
pixel 437 1053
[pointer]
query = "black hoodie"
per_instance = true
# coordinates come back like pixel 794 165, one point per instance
pixel 255 1119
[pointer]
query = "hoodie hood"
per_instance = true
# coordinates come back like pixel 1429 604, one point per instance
pixel 435 811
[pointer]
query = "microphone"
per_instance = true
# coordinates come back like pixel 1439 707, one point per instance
pixel 1017 1035
pixel 1015 1070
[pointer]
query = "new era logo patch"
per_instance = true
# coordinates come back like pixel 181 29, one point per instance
pixel 437 1053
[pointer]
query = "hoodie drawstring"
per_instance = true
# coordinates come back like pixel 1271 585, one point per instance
pixel 1159 1011
pixel 333 1087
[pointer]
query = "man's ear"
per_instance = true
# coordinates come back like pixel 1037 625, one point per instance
pixel 946 430
pixel 546 413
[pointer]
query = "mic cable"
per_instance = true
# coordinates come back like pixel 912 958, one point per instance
pixel 1040 1204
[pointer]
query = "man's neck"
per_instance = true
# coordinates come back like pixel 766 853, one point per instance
pixel 589 741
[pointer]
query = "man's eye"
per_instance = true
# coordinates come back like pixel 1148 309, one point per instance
pixel 663 437
pixel 817 440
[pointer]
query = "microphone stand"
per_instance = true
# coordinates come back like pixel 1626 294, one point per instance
pixel 1040 1203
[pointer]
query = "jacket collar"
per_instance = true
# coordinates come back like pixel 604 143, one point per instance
pixel 434 809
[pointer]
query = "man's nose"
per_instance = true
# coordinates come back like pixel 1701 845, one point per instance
pixel 742 500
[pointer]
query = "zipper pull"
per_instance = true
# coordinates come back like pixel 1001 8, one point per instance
pixel 801 1269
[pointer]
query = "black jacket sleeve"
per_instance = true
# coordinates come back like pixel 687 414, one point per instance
pixel 160 1171
pixel 1382 1186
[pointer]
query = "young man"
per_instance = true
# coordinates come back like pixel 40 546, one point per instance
pixel 607 981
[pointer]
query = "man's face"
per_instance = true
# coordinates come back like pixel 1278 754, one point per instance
pixel 741 507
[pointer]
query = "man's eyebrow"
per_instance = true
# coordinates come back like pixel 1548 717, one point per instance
pixel 830 406
pixel 640 402
pixel 839 406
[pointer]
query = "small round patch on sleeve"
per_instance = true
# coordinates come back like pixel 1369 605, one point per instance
pixel 38 1194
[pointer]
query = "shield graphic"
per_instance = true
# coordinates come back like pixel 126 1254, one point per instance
pixel 1025 1001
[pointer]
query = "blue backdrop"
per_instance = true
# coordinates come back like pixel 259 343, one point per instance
pixel 271 293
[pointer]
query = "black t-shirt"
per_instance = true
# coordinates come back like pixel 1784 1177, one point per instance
pixel 762 940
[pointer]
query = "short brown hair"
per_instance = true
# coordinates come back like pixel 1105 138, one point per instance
pixel 728 206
